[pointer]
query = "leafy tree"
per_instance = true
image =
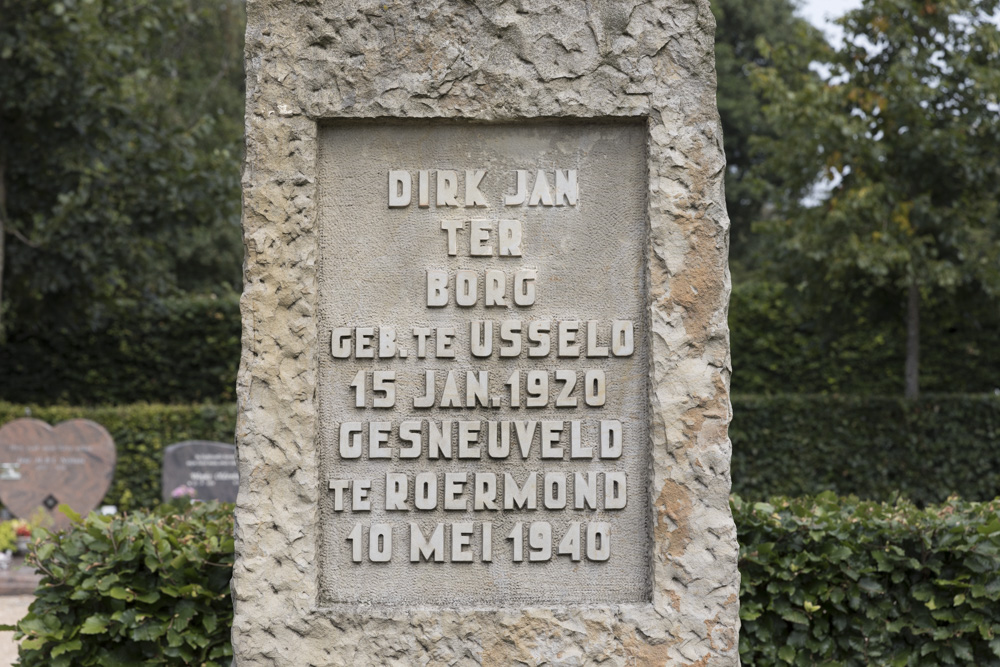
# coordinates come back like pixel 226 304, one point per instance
pixel 744 28
pixel 890 164
pixel 119 140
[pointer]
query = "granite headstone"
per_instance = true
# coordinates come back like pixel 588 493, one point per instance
pixel 43 467
pixel 207 469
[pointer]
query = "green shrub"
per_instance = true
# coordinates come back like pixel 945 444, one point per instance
pixel 150 588
pixel 174 351
pixel 825 581
pixel 8 536
pixel 838 581
pixel 141 432
pixel 872 447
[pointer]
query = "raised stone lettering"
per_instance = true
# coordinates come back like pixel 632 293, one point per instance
pixel 473 196
pixel 399 188
pixel 463 408
pixel 447 188
pixel 431 548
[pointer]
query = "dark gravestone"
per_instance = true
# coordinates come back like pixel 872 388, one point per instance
pixel 43 467
pixel 207 468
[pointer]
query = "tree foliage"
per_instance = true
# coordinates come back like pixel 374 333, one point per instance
pixel 744 29
pixel 848 344
pixel 148 588
pixel 119 147
pixel 902 134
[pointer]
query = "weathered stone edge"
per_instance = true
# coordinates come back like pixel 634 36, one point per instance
pixel 485 62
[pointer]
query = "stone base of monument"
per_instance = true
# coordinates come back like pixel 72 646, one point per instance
pixel 19 578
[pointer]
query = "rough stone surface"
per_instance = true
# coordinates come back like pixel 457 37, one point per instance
pixel 484 61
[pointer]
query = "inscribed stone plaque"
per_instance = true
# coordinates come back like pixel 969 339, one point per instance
pixel 44 467
pixel 483 396
pixel 532 448
pixel 209 468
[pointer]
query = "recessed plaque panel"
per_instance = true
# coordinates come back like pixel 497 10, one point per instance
pixel 483 364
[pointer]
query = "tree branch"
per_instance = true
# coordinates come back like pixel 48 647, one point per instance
pixel 22 238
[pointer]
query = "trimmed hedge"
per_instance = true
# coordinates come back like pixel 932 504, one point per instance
pixel 782 344
pixel 141 433
pixel 174 351
pixel 838 581
pixel 150 588
pixel 825 581
pixel 872 447
pixel 187 349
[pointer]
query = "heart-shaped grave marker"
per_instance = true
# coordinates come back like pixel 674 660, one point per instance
pixel 43 467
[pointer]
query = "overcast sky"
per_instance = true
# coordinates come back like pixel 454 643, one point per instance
pixel 817 11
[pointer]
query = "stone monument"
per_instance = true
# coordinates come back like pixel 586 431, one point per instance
pixel 484 386
pixel 42 467
pixel 208 469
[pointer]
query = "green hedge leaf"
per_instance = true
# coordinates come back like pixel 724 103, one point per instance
pixel 95 624
pixel 912 585
pixel 110 609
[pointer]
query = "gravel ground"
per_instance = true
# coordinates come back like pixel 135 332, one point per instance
pixel 12 609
